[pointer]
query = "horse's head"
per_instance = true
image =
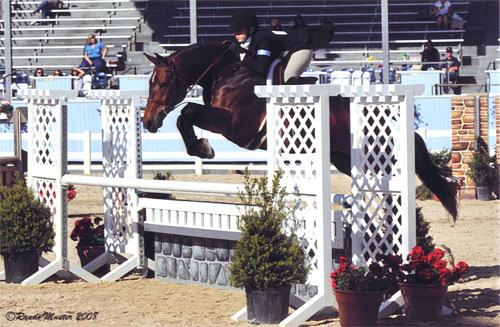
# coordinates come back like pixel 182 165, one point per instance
pixel 166 90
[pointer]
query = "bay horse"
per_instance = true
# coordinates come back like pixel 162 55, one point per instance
pixel 232 109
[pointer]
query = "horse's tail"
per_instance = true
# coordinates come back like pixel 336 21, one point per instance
pixel 443 186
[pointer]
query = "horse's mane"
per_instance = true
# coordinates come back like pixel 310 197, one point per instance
pixel 200 46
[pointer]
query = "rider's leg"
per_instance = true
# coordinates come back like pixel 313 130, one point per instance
pixel 298 63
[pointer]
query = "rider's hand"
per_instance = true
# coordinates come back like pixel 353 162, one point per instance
pixel 236 48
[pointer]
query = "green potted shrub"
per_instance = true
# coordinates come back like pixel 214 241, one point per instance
pixel 267 260
pixel 25 231
pixel 482 174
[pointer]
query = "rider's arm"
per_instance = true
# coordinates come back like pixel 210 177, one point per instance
pixel 261 59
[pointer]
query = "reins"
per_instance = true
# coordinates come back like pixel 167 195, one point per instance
pixel 191 86
pixel 216 60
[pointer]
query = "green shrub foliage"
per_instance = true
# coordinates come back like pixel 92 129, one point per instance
pixel 424 240
pixel 265 255
pixel 25 223
pixel 480 170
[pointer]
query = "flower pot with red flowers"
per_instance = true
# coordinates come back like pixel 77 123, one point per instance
pixel 90 236
pixel 424 280
pixel 359 292
pixel 26 230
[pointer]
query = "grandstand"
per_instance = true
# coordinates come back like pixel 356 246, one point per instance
pixel 131 27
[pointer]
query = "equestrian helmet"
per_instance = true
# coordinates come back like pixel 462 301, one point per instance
pixel 244 19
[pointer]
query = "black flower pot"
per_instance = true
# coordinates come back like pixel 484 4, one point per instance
pixel 269 306
pixel 20 266
pixel 483 193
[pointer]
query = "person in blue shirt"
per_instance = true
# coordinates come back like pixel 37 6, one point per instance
pixel 94 53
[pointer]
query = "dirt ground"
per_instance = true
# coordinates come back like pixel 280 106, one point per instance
pixel 136 301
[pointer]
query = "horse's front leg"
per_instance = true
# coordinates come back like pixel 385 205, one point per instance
pixel 195 146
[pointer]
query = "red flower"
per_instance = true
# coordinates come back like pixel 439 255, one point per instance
pixel 71 194
pixel 462 267
pixel 439 264
pixel 417 253
pixel 343 263
pixel 435 255
pixel 88 233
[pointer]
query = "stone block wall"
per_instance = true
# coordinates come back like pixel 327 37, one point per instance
pixel 463 140
pixel 193 259
pixel 205 261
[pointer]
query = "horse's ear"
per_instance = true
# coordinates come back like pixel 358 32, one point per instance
pixel 152 59
pixel 161 59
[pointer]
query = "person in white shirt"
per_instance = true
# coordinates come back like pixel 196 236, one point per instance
pixel 442 11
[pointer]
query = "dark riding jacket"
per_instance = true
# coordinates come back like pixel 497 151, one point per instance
pixel 265 46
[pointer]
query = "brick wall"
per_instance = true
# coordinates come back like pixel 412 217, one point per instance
pixel 497 148
pixel 463 140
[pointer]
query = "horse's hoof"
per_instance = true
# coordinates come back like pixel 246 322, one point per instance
pixel 202 149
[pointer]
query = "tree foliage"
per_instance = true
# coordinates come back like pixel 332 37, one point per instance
pixel 25 223
pixel 266 256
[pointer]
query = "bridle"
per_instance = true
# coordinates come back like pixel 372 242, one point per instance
pixel 188 86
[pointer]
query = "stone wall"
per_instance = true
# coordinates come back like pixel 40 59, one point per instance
pixel 195 260
pixel 463 140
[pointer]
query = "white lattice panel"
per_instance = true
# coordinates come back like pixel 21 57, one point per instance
pixel 121 159
pixel 378 165
pixel 45 135
pixel 47 160
pixel 296 150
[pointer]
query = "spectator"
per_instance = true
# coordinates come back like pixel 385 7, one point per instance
pixel 441 10
pixel 56 72
pixel 77 81
pixel 39 72
pixel 299 23
pixel 275 25
pixel 430 55
pixel 450 67
pixel 93 54
pixel 45 8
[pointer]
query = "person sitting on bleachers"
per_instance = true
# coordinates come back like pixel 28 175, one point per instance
pixel 430 54
pixel 258 48
pixel 45 8
pixel 39 72
pixel 441 10
pixel 77 81
pixel 450 67
pixel 93 54
pixel 56 72
pixel 275 25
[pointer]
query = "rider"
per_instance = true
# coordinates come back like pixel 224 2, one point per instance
pixel 258 48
